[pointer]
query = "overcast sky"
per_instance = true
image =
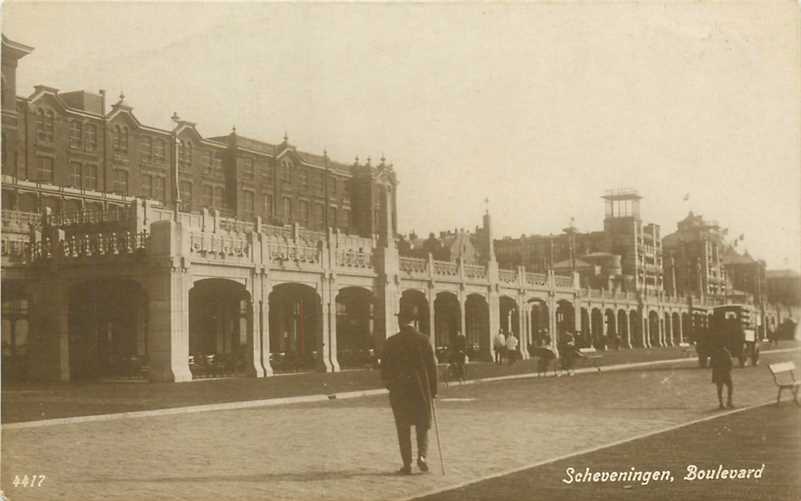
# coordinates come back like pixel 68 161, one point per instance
pixel 539 107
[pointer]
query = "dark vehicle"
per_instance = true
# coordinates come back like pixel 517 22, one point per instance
pixel 733 326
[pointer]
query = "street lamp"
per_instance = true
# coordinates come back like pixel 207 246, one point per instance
pixel 571 235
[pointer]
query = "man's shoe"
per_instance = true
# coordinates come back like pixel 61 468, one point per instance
pixel 421 463
pixel 405 470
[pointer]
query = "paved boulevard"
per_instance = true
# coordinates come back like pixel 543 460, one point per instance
pixel 346 449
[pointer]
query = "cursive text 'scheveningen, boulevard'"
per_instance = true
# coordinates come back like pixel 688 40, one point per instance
pixel 634 475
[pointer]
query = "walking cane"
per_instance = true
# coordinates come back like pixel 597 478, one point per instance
pixel 427 386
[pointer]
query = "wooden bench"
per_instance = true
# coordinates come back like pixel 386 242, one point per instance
pixel 592 355
pixel 784 377
pixel 686 349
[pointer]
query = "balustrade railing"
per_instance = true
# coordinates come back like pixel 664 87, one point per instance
pixel 536 278
pixel 475 272
pixel 413 265
pixel 20 219
pixel 349 258
pixel 100 244
pixel 445 268
pixel 237 226
pixel 16 251
pixel 280 253
pixel 219 244
pixel 507 276
pixel 563 280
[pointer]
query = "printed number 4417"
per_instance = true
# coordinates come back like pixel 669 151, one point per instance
pixel 28 481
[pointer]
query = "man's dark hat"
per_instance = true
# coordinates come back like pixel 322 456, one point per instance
pixel 407 312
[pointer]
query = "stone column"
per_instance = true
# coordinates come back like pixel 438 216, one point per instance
pixel 168 312
pixel 494 305
pixel 552 326
pixel 431 297
pixel 255 354
pixel 628 329
pixel 681 329
pixel 646 330
pixel 462 314
pixel 332 326
pixel 525 328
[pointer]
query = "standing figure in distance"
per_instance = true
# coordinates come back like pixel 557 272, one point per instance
pixel 409 372
pixel 500 347
pixel 511 348
pixel 721 374
pixel 458 356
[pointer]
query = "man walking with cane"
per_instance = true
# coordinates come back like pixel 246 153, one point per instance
pixel 409 372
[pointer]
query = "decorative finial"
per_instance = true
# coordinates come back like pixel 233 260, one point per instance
pixel 383 159
pixel 175 117
pixel 233 130
pixel 325 154
pixel 356 162
pixel 122 96
pixel 286 137
pixel 368 161
pixel 486 205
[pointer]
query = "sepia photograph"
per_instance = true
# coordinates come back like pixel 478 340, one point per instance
pixel 401 251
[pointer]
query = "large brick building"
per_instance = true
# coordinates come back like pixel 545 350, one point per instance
pixel 693 262
pixel 69 152
pixel 626 254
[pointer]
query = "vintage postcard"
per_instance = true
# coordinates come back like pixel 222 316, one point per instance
pixel 401 251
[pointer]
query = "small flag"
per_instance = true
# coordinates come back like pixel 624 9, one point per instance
pixel 686 197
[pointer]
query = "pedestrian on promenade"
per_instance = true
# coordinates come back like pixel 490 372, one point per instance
pixel 511 348
pixel 409 372
pixel 500 347
pixel 458 356
pixel 567 352
pixel 721 374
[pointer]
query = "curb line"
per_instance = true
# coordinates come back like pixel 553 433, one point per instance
pixel 273 402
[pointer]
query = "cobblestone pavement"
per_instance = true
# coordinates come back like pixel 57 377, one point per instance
pixel 343 450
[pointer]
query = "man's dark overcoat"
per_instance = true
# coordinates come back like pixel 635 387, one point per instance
pixel 406 366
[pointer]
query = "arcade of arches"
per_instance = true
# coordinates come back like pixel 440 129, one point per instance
pixel 109 331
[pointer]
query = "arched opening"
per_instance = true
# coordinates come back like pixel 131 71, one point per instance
pixel 612 337
pixel 295 328
pixel 539 323
pixel 416 301
pixel 635 320
pixel 623 328
pixel 510 321
pixel 584 335
pixel 674 324
pixel 653 328
pixel 447 322
pixel 477 326
pixel 686 328
pixel 355 327
pixel 107 325
pixel 667 329
pixel 565 317
pixel 16 327
pixel 597 326
pixel 219 323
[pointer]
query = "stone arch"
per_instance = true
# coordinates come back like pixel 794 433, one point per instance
pixel 596 329
pixel 612 338
pixel 296 334
pixel 675 321
pixel 355 327
pixel 476 326
pixel 636 321
pixel 107 329
pixel 447 319
pixel 623 328
pixel 220 323
pixel 565 317
pixel 653 328
pixel 540 322
pixel 16 331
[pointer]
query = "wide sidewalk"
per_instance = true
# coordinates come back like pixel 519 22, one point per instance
pixel 346 449
pixel 33 402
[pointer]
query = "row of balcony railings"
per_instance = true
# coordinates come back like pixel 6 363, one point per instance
pixel 415 267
